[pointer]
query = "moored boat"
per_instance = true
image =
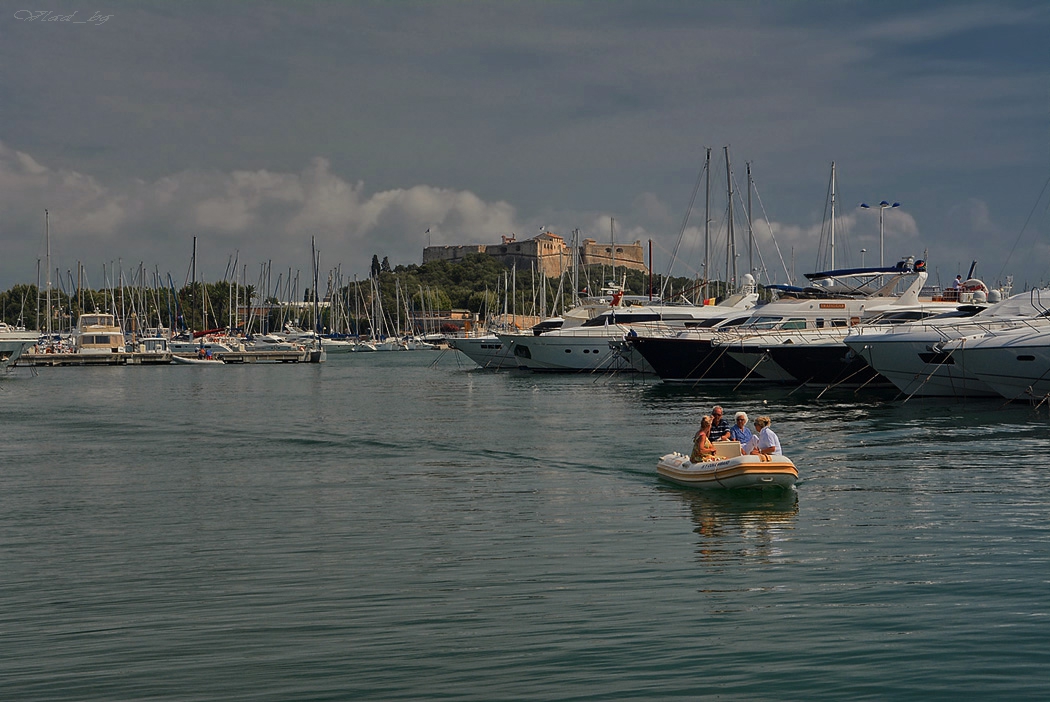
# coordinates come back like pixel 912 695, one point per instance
pixel 186 360
pixel 737 349
pixel 14 341
pixel 750 472
pixel 588 347
pixel 98 334
pixel 916 356
pixel 487 351
pixel 1013 362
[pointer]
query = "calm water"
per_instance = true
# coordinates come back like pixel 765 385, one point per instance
pixel 396 526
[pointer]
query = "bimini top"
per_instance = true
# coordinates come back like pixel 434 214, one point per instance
pixel 907 265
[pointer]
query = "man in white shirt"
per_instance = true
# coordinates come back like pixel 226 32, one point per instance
pixel 765 442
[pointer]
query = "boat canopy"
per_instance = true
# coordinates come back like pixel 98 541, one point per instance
pixel 904 266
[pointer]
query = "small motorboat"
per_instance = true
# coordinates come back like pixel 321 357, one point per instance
pixel 198 361
pixel 730 471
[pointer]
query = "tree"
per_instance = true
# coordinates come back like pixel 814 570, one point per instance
pixel 375 266
pixel 386 265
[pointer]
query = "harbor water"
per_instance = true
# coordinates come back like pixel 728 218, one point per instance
pixel 400 526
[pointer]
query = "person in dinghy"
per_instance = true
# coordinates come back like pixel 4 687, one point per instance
pixel 765 442
pixel 703 449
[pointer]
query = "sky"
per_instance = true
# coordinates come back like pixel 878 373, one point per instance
pixel 378 128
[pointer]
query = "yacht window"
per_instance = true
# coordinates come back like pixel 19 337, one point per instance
pixel 763 322
pixel 735 322
pixel 794 324
pixel 839 323
pixel 611 318
pixel 707 323
pixel 901 317
pixel 818 323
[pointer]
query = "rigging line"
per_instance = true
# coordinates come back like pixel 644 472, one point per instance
pixel 866 383
pixel 685 222
pixel 840 382
pixel 823 221
pixel 604 367
pixel 935 367
pixel 765 217
pixel 868 347
pixel 1031 398
pixel 710 365
pixel 800 386
pixel 765 355
pixel 1046 398
pixel 1029 219
pixel 751 228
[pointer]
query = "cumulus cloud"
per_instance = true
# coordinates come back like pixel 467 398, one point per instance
pixel 262 214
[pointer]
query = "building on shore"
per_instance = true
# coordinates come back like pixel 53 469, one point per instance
pixel 548 252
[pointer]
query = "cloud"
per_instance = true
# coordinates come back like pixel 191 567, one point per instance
pixel 262 213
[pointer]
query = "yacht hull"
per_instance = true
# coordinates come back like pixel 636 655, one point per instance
pixel 489 351
pixel 687 360
pixel 1015 365
pixel 585 351
pixel 826 364
pixel 918 366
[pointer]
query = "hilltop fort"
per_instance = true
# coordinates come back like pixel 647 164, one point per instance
pixel 548 252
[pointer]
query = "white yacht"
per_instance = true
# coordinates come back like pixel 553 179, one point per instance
pixel 13 342
pixel 834 300
pixel 808 346
pixel 190 346
pixel 486 350
pixel 490 352
pixel 917 359
pixel 1014 362
pixel 588 347
pixel 337 345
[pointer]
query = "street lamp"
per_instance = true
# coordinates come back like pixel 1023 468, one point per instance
pixel 882 230
pixel 862 252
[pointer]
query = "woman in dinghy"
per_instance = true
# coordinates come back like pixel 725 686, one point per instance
pixel 703 449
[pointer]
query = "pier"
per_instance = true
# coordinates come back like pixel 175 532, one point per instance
pixel 122 358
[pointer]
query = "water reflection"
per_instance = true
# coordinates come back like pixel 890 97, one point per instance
pixel 740 525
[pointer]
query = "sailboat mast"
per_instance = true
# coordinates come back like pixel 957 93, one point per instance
pixel 314 262
pixel 575 267
pixel 832 238
pixel 731 244
pixel 47 236
pixel 193 284
pixel 750 226
pixel 707 224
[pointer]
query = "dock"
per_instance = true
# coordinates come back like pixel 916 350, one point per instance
pixel 119 358
pixel 261 356
pixel 122 358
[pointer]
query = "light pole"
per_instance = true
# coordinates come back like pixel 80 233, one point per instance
pixel 862 252
pixel 882 229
